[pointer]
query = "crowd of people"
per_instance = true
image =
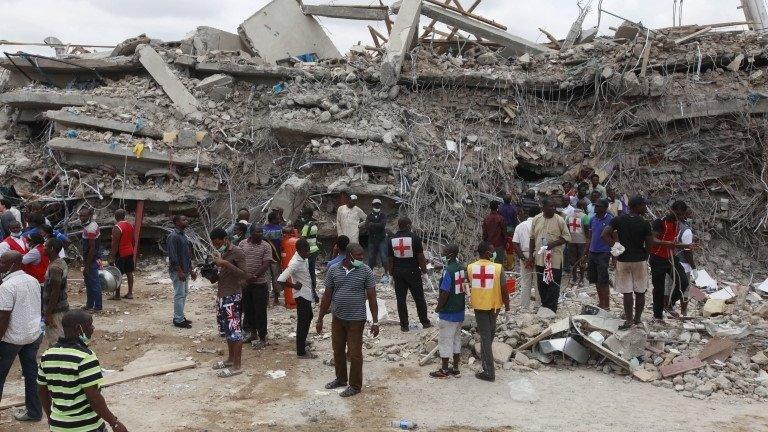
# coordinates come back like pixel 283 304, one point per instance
pixel 586 229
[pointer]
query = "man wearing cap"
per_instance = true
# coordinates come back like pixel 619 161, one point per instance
pixel 348 218
pixel 598 253
pixel 630 238
pixel 377 237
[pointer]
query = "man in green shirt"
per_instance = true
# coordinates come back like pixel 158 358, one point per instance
pixel 69 379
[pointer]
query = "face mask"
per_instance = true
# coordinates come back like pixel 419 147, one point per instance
pixel 493 257
pixel 357 263
pixel 16 235
pixel 83 338
pixel 222 249
pixel 376 210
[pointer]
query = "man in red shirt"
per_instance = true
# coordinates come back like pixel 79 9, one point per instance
pixel 494 232
pixel 662 259
pixel 122 251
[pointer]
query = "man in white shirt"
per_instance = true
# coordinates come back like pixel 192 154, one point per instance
pixel 15 241
pixel 521 240
pixel 348 218
pixel 20 316
pixel 684 262
pixel 298 272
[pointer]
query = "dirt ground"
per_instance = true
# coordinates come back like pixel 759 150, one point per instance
pixel 133 334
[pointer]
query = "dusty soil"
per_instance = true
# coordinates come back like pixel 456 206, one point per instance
pixel 137 333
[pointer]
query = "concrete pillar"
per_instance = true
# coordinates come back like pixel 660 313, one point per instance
pixel 406 26
pixel 756 13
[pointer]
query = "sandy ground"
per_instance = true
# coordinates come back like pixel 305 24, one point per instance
pixel 137 333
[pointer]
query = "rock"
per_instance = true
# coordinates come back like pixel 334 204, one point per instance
pixel 351 77
pixel 756 76
pixel 760 358
pixel 393 92
pixel 325 116
pixel 212 81
pixel 607 72
pixel 522 359
pixel 487 59
pixel 713 307
pixel 387 124
pixel 532 330
pixel 186 138
pixel 705 389
pixel 761 391
pixel 723 382
pixel 545 313
pixel 524 59
pixel 656 85
pixel 501 352
pixel 388 137
pixel 735 65
pixel 628 344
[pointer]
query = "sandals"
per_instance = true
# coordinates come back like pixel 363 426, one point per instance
pixel 308 355
pixel 257 345
pixel 335 384
pixel 626 326
pixel 349 391
pixel 455 372
pixel 441 373
pixel 128 296
pixel 227 373
pixel 221 365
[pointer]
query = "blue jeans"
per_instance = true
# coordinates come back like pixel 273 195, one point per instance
pixel 180 290
pixel 28 358
pixel 377 249
pixel 93 288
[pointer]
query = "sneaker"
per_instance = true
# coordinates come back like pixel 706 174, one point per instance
pixel 183 324
pixel 404 329
pixel 23 416
pixel 426 325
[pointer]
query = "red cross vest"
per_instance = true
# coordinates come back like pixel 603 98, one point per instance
pixel 38 270
pixel 485 282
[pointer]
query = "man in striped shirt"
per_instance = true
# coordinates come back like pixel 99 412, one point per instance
pixel 69 378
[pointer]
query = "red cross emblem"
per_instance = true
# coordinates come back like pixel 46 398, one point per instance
pixel 460 282
pixel 575 224
pixel 481 275
pixel 402 247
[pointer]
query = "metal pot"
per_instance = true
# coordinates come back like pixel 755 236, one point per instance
pixel 110 278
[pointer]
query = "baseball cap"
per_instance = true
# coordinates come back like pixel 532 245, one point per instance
pixel 353 197
pixel 376 201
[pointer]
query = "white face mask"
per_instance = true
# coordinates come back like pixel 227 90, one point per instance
pixel 376 210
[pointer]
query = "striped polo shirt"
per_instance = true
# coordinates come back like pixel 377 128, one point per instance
pixel 65 370
pixel 349 291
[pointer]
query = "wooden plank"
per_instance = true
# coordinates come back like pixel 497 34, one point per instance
pixel 118 378
pixel 454 30
pixel 681 366
pixel 693 36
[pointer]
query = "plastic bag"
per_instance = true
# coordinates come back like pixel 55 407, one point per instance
pixel 521 390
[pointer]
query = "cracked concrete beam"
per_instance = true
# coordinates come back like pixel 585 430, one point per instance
pixel 400 40
pixel 702 108
pixel 86 153
pixel 351 12
pixel 75 65
pixel 66 118
pixel 293 128
pixel 163 75
pixel 42 99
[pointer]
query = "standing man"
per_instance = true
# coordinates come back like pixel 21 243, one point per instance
pixel 230 260
pixel 348 218
pixel 577 225
pixel 122 249
pixel 406 265
pixel 258 258
pixel 54 294
pixel 632 234
pixel 451 305
pixel 522 243
pixel 298 272
pixel 339 251
pixel 6 217
pixel 180 268
pixel 509 212
pixel 488 294
pixel 549 234
pixel 69 380
pixel 377 238
pixel 35 262
pixel 15 241
pixel 307 226
pixel 599 254
pixel 662 259
pixel 495 232
pixel 684 259
pixel 596 186
pixel 91 250
pixel 528 201
pixel 347 287
pixel 594 197
pixel 20 330
pixel 273 233
pixel 616 205
pixel 243 217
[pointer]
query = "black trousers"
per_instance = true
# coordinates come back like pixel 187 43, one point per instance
pixel 312 261
pixel 549 293
pixel 409 280
pixel 660 268
pixel 303 321
pixel 255 301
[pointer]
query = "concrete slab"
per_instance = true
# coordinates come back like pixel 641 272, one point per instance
pixel 78 152
pixel 75 65
pixel 42 99
pixel 351 154
pixel 351 12
pixel 292 129
pixel 688 109
pixel 69 119
pixel 205 39
pixel 290 197
pixel 280 30
pixel 159 195
pixel 515 44
pixel 128 46
pixel 249 72
pixel 214 81
pixel 155 65
pixel 400 40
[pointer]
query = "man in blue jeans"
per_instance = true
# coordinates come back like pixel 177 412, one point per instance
pixel 20 315
pixel 180 269
pixel 91 251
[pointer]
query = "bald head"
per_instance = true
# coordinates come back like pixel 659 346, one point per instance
pixel 10 261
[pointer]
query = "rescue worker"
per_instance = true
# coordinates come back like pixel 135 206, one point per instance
pixel 308 230
pixel 406 265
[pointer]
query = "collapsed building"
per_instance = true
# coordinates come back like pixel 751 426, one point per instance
pixel 435 123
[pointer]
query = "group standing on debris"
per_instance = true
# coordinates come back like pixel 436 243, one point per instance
pixel 586 229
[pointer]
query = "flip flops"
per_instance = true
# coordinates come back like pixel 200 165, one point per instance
pixel 221 365
pixel 226 373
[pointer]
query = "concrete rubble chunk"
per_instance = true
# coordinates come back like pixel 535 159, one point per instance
pixel 128 46
pixel 627 344
pixel 69 119
pixel 400 40
pixel 501 351
pixel 290 196
pixel 713 307
pixel 350 12
pixel 43 99
pixel 515 45
pixel 760 358
pixel 156 66
pixel 280 30
pixel 214 81
pixel 206 39
pixel 735 65
pixel 78 152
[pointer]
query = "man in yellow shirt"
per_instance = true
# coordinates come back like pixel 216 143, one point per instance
pixel 487 293
pixel 549 234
